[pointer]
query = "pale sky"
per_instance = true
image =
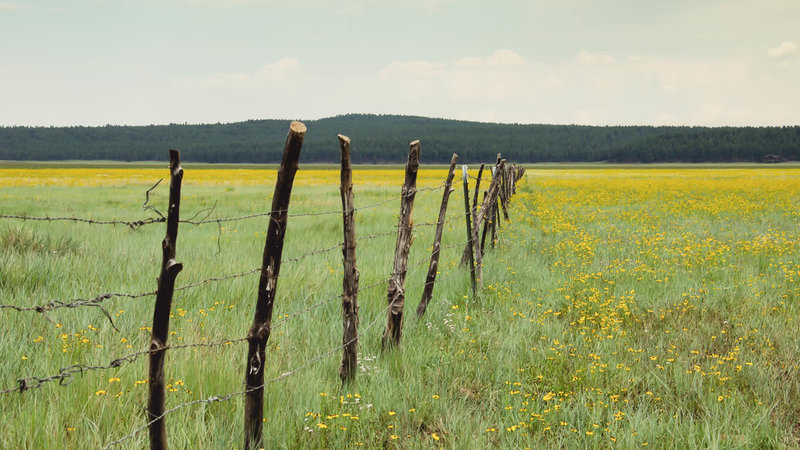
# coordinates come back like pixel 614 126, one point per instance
pixel 614 62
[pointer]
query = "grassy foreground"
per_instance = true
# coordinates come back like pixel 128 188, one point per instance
pixel 621 308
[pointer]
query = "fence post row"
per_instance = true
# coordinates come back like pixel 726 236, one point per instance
pixel 499 172
pixel 396 289
pixel 500 191
pixel 427 294
pixel 473 212
pixel 350 280
pixel 467 215
pixel 492 193
pixel 270 269
pixel 166 287
pixel 486 223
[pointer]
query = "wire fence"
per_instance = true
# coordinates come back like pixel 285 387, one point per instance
pixel 66 375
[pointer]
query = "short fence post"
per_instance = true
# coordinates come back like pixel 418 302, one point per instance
pixel 427 294
pixel 350 281
pixel 268 282
pixel 467 214
pixel 166 287
pixel 396 289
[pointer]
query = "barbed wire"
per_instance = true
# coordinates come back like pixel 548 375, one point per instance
pixel 284 375
pixel 135 224
pixel 65 374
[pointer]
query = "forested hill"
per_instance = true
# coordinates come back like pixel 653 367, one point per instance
pixel 384 139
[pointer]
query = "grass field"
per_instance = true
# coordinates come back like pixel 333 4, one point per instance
pixel 623 307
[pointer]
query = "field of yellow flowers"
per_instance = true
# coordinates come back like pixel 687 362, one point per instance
pixel 628 307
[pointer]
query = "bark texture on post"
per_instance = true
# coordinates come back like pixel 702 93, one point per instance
pixel 427 294
pixel 467 215
pixel 501 174
pixel 268 282
pixel 494 188
pixel 473 211
pixel 166 287
pixel 486 222
pixel 350 282
pixel 397 282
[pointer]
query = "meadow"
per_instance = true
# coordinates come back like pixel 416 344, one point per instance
pixel 622 307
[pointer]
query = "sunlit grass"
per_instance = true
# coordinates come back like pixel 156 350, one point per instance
pixel 621 308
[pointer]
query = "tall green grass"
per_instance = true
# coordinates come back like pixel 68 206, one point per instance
pixel 612 315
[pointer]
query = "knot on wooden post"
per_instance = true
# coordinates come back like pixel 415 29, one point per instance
pixel 255 362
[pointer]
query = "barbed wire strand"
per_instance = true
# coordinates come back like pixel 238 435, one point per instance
pixel 66 373
pixel 215 399
pixel 135 224
pixel 97 300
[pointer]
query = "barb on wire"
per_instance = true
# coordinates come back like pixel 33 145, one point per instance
pixel 430 224
pixel 133 224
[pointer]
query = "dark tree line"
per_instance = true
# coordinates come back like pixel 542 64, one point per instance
pixel 384 139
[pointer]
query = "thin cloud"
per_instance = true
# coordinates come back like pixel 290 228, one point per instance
pixel 7 6
pixel 282 70
pixel 585 57
pixel 782 51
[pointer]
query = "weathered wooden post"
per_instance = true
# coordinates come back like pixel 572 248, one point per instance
pixel 397 282
pixel 486 223
pixel 473 212
pixel 268 282
pixel 427 294
pixel 495 222
pixel 499 173
pixel 350 281
pixel 494 187
pixel 166 287
pixel 467 214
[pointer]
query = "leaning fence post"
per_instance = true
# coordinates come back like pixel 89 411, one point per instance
pixel 467 214
pixel 397 282
pixel 166 287
pixel 270 268
pixel 427 294
pixel 350 281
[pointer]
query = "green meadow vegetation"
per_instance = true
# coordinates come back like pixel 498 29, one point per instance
pixel 621 308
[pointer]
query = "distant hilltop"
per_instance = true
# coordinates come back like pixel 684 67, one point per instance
pixel 385 138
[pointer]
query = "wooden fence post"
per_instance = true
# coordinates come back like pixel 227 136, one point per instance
pixel 397 282
pixel 494 187
pixel 350 281
pixel 499 173
pixel 270 269
pixel 473 212
pixel 427 294
pixel 467 214
pixel 486 223
pixel 166 287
